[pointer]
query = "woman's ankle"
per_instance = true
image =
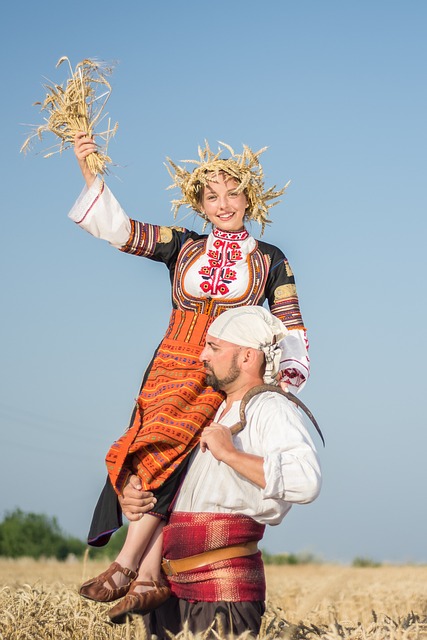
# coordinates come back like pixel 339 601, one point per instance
pixel 129 562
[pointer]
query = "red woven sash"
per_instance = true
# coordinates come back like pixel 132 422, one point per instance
pixel 234 580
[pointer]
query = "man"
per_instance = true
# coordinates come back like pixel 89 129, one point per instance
pixel 235 484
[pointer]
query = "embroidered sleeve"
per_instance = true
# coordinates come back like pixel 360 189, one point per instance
pixel 155 242
pixel 283 297
pixel 283 302
pixel 98 212
pixel 142 240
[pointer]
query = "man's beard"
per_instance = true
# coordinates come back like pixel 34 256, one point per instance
pixel 218 384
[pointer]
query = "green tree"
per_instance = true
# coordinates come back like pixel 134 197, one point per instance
pixel 365 562
pixel 289 558
pixel 35 535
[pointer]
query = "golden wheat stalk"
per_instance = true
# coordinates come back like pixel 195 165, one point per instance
pixel 77 107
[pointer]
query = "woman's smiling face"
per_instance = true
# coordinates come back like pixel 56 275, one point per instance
pixel 222 205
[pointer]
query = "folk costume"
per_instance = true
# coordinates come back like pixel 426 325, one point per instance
pixel 217 507
pixel 209 273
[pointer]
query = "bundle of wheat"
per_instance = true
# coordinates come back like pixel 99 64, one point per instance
pixel 77 107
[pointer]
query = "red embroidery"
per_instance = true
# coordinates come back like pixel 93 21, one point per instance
pixel 231 235
pixel 218 273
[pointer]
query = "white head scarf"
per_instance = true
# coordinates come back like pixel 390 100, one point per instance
pixel 253 327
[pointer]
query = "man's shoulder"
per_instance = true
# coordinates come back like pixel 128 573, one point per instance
pixel 270 414
pixel 270 400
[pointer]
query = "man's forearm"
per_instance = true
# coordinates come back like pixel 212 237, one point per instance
pixel 247 465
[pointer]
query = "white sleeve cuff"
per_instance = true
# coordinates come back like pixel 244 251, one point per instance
pixel 295 355
pixel 97 211
pixel 274 485
pixel 302 475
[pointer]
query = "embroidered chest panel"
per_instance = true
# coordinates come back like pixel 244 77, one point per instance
pixel 213 276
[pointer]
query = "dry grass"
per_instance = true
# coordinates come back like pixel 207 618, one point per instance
pixel 79 106
pixel 39 600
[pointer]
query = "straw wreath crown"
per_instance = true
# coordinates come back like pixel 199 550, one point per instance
pixel 244 167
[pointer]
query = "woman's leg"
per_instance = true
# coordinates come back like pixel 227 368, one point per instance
pixel 148 591
pixel 149 569
pixel 143 539
pixel 137 552
pixel 138 539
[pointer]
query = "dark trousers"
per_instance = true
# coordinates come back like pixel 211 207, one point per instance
pixel 223 618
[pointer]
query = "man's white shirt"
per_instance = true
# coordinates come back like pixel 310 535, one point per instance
pixel 275 431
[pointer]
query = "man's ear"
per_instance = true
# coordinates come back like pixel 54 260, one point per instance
pixel 254 361
pixel 249 356
pixel 245 354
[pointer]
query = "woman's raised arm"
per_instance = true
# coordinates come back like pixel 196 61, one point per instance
pixel 83 147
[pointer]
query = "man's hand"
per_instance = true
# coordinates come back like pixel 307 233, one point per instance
pixel 134 501
pixel 218 440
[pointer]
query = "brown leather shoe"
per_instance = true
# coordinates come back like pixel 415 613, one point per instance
pixel 95 589
pixel 139 603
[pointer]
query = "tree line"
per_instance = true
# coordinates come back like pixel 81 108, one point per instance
pixel 35 535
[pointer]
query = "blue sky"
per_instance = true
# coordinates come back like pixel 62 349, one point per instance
pixel 338 92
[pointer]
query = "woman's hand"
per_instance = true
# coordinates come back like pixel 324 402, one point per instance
pixel 83 147
pixel 284 386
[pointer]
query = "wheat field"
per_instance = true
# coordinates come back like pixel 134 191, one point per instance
pixel 39 601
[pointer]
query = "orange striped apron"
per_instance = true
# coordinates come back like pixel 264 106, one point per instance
pixel 173 407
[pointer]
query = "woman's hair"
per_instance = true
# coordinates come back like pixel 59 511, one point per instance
pixel 211 176
pixel 244 167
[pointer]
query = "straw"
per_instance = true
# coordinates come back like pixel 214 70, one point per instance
pixel 244 167
pixel 77 107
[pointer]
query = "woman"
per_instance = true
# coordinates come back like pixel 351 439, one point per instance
pixel 209 273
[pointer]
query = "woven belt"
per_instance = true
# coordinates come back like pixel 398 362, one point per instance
pixel 173 567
